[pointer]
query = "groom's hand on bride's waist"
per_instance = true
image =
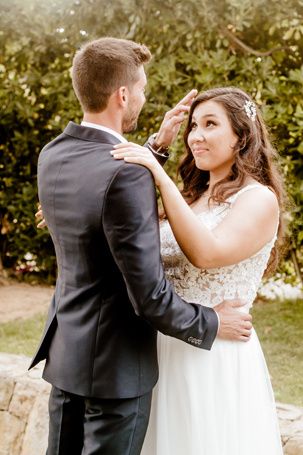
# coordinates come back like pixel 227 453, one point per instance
pixel 234 324
pixel 40 218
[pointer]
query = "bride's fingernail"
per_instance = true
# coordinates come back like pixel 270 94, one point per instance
pixel 112 152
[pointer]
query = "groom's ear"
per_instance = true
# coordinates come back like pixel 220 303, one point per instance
pixel 122 96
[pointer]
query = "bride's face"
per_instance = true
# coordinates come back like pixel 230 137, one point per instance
pixel 211 138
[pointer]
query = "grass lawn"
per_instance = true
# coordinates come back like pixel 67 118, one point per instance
pixel 280 330
pixel 279 326
pixel 22 335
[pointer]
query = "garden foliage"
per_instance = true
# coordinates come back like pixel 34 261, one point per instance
pixel 256 45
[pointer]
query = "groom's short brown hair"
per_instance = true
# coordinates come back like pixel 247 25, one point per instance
pixel 102 66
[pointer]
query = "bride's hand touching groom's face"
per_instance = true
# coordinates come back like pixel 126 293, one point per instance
pixel 173 120
pixel 169 129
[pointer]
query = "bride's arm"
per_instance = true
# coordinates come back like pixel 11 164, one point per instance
pixel 249 225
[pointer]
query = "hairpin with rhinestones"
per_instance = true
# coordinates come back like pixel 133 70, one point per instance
pixel 250 109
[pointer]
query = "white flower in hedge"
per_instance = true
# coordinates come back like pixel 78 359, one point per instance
pixel 276 288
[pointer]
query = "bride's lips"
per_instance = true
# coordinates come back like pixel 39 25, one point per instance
pixel 199 151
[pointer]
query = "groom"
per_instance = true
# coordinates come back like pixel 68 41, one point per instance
pixel 111 294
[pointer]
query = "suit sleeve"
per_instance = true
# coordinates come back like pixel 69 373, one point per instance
pixel 160 157
pixel 131 226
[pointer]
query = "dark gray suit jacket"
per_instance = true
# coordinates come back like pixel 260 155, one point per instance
pixel 111 293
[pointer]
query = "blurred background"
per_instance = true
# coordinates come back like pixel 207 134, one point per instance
pixel 255 45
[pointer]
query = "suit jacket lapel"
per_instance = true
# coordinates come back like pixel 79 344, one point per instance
pixel 90 134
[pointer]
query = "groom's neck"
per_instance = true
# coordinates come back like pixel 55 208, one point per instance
pixel 104 118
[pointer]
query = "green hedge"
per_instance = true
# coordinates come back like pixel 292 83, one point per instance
pixel 256 45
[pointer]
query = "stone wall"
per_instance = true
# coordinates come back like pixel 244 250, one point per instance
pixel 23 407
pixel 24 402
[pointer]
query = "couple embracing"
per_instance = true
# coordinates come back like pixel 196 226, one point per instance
pixel 121 278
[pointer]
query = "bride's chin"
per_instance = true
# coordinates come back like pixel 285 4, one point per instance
pixel 202 167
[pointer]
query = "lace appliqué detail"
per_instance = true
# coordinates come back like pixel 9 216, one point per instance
pixel 212 286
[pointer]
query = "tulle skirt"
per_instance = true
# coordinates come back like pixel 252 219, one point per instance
pixel 217 402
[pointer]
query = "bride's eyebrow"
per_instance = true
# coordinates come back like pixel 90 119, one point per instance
pixel 209 115
pixel 193 119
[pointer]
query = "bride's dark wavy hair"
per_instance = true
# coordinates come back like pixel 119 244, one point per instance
pixel 254 157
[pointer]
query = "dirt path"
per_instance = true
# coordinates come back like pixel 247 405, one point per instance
pixel 21 300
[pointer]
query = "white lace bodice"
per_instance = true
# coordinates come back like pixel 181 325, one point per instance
pixel 210 287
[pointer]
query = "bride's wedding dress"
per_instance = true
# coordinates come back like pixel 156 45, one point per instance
pixel 217 402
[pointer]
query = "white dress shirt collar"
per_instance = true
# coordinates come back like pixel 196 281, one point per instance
pixel 104 128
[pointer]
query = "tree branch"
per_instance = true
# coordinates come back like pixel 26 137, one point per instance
pixel 244 47
pixel 296 264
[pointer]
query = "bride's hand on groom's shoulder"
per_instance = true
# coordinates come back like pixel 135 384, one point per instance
pixel 173 120
pixel 136 154
pixel 234 324
pixel 39 218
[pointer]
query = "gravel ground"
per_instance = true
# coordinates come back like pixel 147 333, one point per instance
pixel 21 300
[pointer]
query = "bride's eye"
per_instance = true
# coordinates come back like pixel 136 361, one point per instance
pixel 192 126
pixel 210 123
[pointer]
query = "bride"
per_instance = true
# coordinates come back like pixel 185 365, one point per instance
pixel 218 239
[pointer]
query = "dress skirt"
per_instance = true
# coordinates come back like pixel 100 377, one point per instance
pixel 217 402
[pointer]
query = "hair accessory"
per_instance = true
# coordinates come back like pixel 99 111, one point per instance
pixel 250 109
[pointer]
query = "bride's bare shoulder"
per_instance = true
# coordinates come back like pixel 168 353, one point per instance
pixel 258 197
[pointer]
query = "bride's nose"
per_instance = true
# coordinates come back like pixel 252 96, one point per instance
pixel 199 137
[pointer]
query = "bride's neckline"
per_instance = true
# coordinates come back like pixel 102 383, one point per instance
pixel 225 203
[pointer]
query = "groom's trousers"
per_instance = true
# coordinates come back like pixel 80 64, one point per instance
pixel 94 426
